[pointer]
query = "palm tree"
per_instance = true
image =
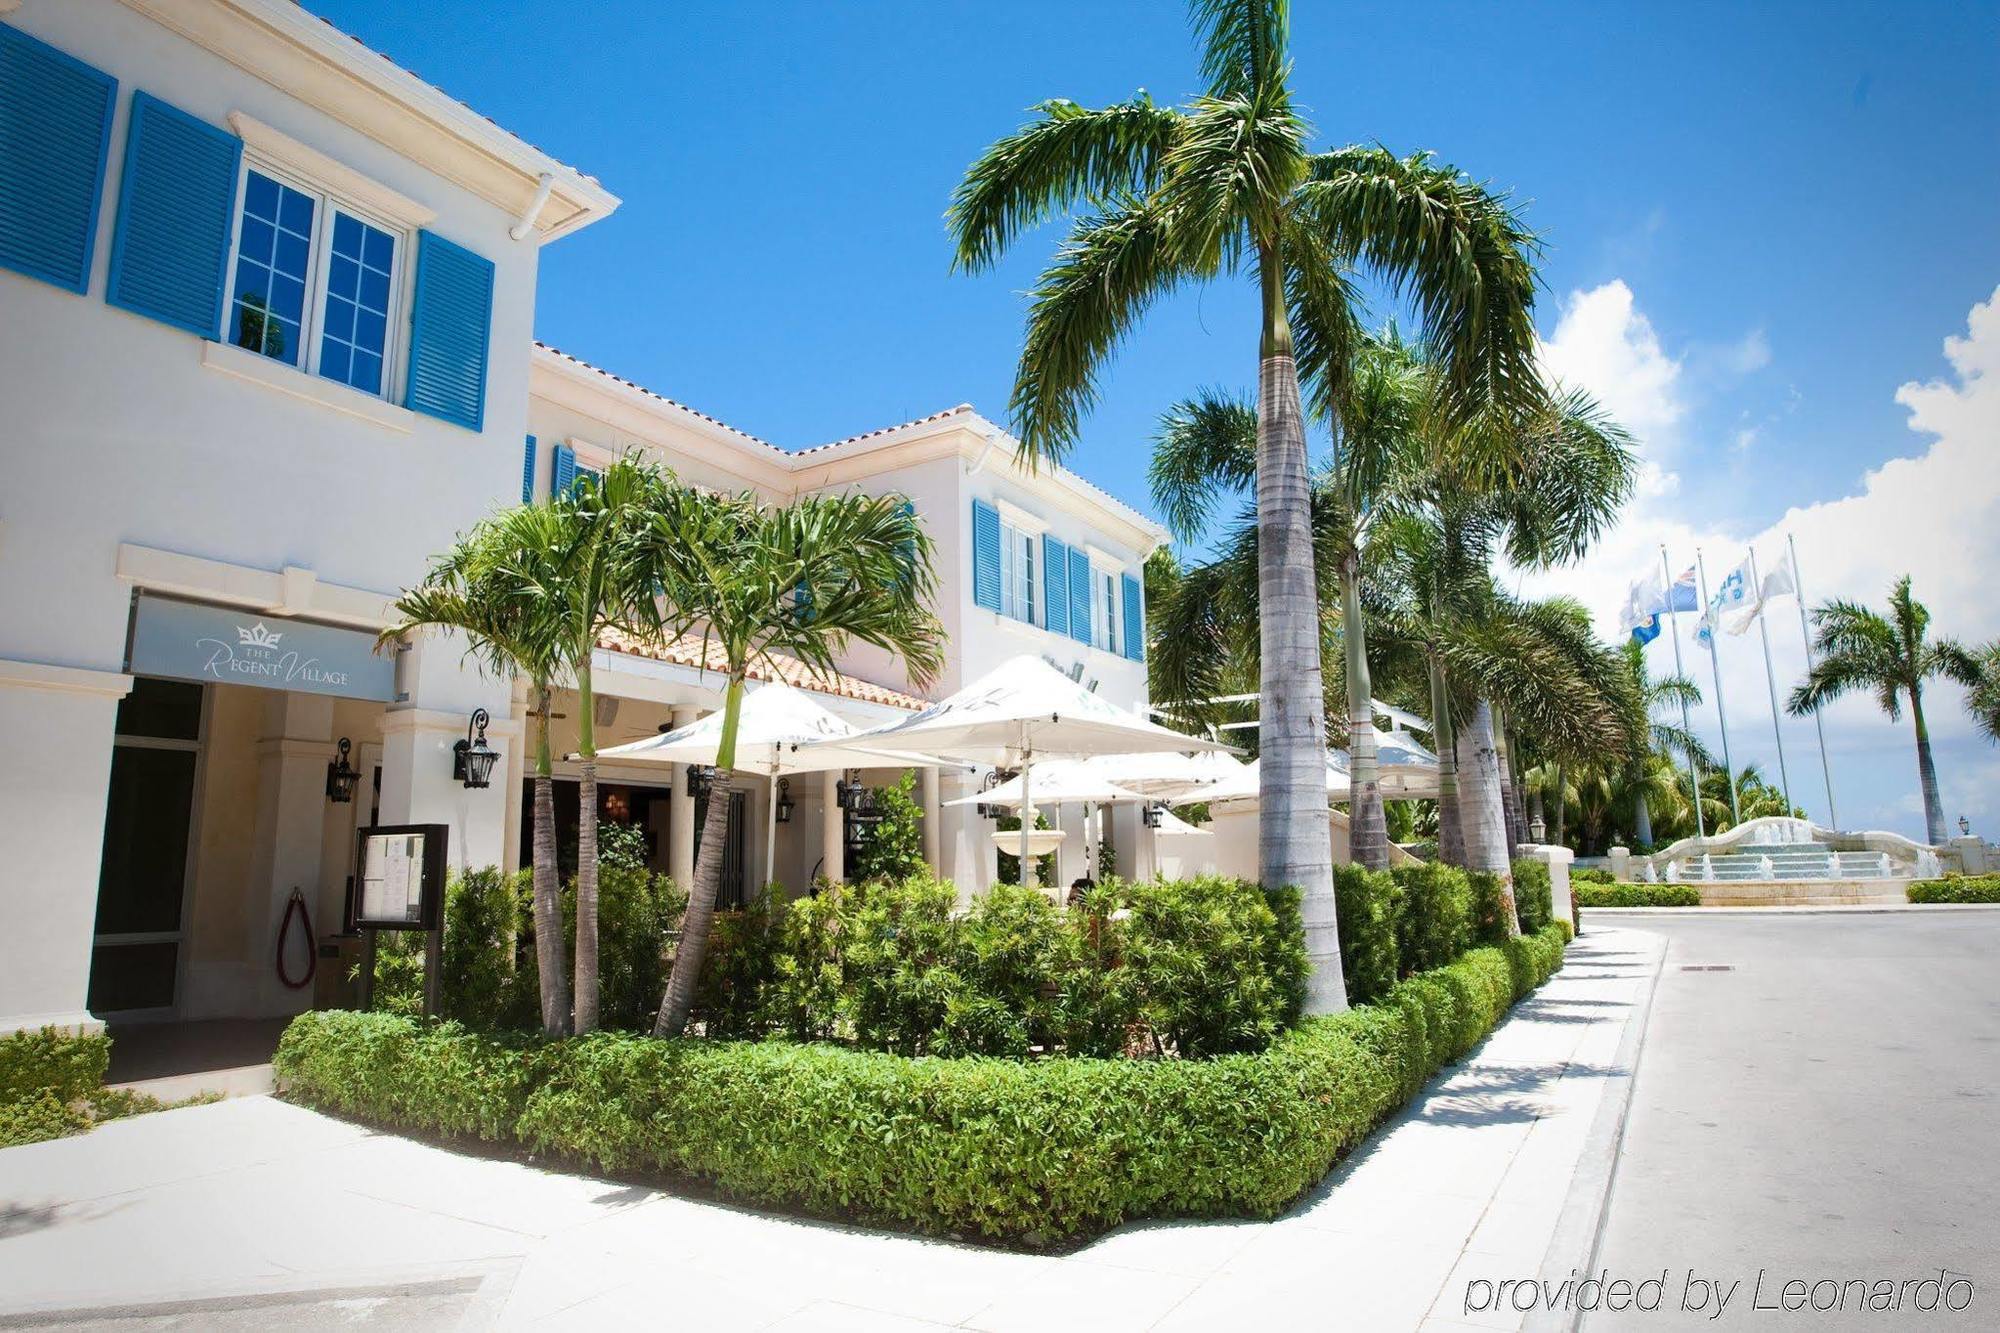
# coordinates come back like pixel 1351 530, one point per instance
pixel 1984 701
pixel 1169 197
pixel 805 580
pixel 1858 648
pixel 601 590
pixel 1662 737
pixel 504 587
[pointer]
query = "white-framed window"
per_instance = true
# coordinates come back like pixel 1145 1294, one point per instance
pixel 1104 608
pixel 1018 572
pixel 316 281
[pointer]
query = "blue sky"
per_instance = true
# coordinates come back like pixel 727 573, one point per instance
pixel 1762 219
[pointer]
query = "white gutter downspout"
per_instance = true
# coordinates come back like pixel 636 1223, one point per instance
pixel 519 231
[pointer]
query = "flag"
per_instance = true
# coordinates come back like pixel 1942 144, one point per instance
pixel 1780 582
pixel 1643 605
pixel 1731 607
pixel 1646 633
pixel 1682 596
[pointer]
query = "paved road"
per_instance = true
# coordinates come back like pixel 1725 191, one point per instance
pixel 1827 1108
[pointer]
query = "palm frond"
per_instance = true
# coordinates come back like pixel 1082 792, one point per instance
pixel 1204 452
pixel 1242 42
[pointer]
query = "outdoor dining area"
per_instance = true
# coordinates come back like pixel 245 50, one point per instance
pixel 1043 749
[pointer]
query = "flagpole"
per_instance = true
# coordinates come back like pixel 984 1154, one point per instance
pixel 1674 633
pixel 1715 670
pixel 1826 770
pixel 1771 681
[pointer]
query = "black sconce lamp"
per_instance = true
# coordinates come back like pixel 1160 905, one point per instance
pixel 784 811
pixel 1155 814
pixel 472 759
pixel 987 811
pixel 1964 824
pixel 700 777
pixel 340 776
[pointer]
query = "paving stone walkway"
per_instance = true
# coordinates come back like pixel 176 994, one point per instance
pixel 253 1213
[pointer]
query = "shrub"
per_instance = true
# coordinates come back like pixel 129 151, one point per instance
pixel 1487 895
pixel 1534 894
pixel 1029 1152
pixel 1637 895
pixel 1365 901
pixel 1217 964
pixel 1591 875
pixel 1957 889
pixel 68 1066
pixel 892 845
pixel 1433 916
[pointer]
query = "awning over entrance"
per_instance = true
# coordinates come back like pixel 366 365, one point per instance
pixel 201 642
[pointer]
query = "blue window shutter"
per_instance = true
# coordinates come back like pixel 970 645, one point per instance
pixel 450 327
pixel 528 473
pixel 1135 619
pixel 985 555
pixel 176 209
pixel 1055 584
pixel 1079 595
pixel 562 476
pixel 55 134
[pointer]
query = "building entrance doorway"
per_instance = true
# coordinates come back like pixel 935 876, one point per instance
pixel 156 763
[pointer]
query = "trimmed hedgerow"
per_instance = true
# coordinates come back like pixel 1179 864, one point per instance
pixel 1591 875
pixel 68 1066
pixel 1026 1152
pixel 1956 889
pixel 1534 894
pixel 1636 895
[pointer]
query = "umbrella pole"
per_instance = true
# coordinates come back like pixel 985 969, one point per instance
pixel 1030 872
pixel 770 828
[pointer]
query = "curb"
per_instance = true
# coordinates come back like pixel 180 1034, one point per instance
pixel 1828 909
pixel 1580 1226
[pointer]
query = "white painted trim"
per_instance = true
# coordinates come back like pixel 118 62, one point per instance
pixel 1105 560
pixel 596 457
pixel 62 679
pixel 334 174
pixel 244 364
pixel 1020 518
pixel 261 589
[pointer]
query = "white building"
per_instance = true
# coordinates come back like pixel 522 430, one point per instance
pixel 267 347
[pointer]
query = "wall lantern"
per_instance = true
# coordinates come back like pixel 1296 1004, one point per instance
pixel 700 777
pixel 987 811
pixel 1964 824
pixel 340 776
pixel 472 759
pixel 784 811
pixel 1155 813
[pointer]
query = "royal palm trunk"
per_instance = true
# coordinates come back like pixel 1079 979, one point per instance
pixel 1510 786
pixel 1934 830
pixel 551 959
pixel 1642 813
pixel 678 1001
pixel 586 860
pixel 1368 829
pixel 1294 838
pixel 1559 815
pixel 1482 819
pixel 1451 837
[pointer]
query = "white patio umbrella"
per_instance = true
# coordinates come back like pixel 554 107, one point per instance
pixel 1405 767
pixel 1175 776
pixel 779 731
pixel 1023 708
pixel 1172 825
pixel 1056 782
pixel 1242 785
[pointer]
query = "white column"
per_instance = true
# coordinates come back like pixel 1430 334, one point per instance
pixel 966 855
pixel 292 751
pixel 680 813
pixel 927 795
pixel 1621 864
pixel 832 850
pixel 1136 845
pixel 418 786
pixel 1072 854
pixel 1557 859
pixel 58 723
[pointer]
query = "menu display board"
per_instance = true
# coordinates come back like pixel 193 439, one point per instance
pixel 399 880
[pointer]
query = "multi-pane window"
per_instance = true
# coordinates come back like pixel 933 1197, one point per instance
pixel 315 284
pixel 1017 572
pixel 273 257
pixel 1104 610
pixel 355 336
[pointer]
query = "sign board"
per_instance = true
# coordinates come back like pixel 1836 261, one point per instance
pixel 200 642
pixel 399 884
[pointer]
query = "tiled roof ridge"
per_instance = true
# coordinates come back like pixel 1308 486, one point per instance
pixel 690 650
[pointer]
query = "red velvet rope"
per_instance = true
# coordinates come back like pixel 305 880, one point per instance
pixel 298 905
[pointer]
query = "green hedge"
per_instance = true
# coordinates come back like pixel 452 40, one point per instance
pixel 1957 889
pixel 1027 1152
pixel 1591 875
pixel 52 1086
pixel 1636 895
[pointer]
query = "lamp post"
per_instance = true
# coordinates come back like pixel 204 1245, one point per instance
pixel 472 759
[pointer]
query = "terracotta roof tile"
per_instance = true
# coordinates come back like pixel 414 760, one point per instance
pixel 887 430
pixel 690 650
pixel 659 398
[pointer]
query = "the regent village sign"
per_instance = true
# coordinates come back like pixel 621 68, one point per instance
pixel 193 641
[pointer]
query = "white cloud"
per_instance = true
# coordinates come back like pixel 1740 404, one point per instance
pixel 1604 344
pixel 1752 352
pixel 1934 515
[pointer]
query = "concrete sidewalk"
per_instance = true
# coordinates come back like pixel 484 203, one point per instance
pixel 252 1212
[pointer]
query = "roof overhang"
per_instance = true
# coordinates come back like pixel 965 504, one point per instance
pixel 310 59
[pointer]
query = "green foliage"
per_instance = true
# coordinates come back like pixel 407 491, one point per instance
pixel 1636 895
pixel 38 1118
pixel 1366 902
pixel 1026 1152
pixel 1590 875
pixel 1009 871
pixel 68 1066
pixel 1534 894
pixel 892 847
pixel 1218 965
pixel 1957 889
pixel 739 964
pixel 1488 901
pixel 1433 916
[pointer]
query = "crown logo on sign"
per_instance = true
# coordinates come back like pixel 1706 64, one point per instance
pixel 257 636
